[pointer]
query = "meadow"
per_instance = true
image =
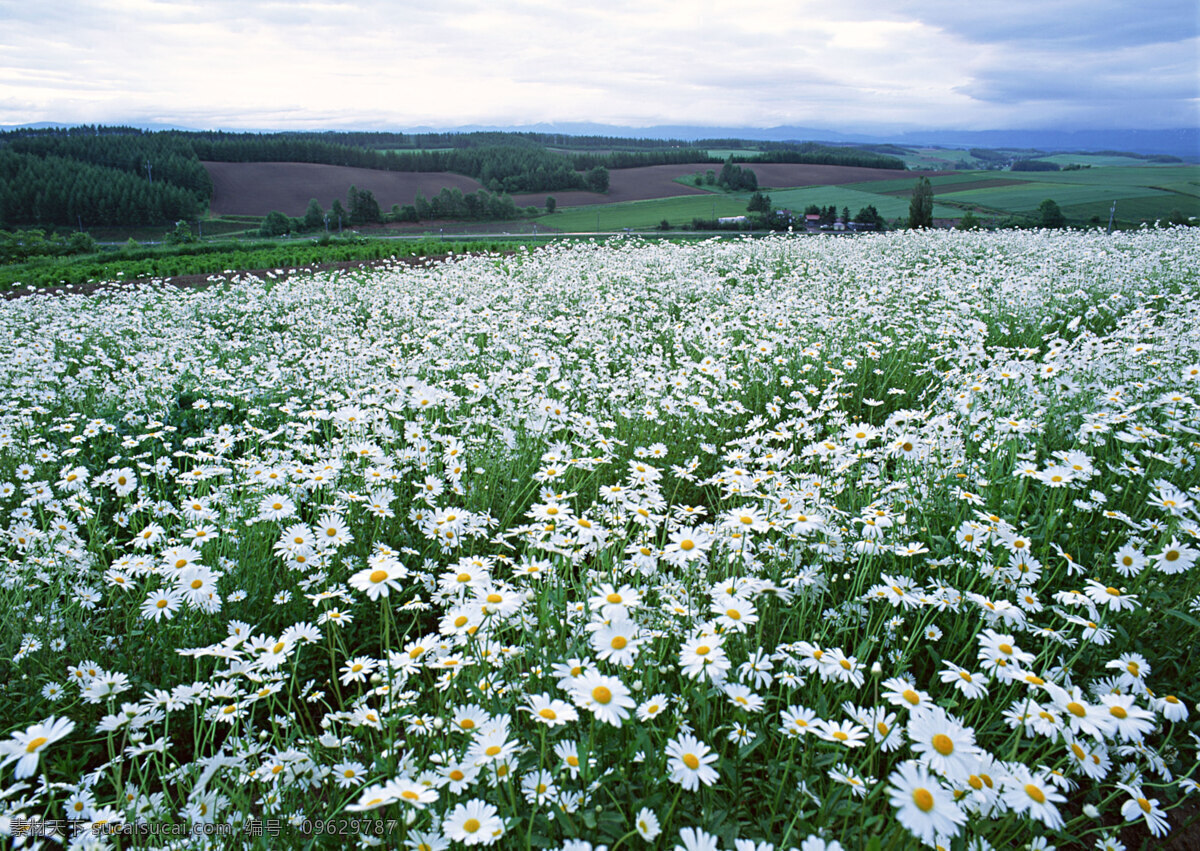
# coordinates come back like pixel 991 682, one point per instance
pixel 787 543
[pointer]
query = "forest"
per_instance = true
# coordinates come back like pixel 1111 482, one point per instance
pixel 121 176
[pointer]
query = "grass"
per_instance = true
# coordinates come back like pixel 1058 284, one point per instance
pixel 208 258
pixel 843 196
pixel 1144 193
pixel 1027 196
pixel 1095 160
pixel 645 214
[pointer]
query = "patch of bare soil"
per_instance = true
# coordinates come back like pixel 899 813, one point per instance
pixel 255 189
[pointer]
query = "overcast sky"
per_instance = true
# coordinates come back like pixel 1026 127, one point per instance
pixel 852 65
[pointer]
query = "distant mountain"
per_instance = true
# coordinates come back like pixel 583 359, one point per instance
pixel 1180 142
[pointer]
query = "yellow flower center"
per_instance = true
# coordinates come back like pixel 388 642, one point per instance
pixel 1035 792
pixel 471 825
pixel 1076 709
pixel 35 744
pixel 943 744
pixel 618 642
pixel 600 694
pixel 923 798
pixel 689 759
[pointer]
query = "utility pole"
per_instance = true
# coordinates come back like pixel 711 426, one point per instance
pixel 149 171
pixel 1111 215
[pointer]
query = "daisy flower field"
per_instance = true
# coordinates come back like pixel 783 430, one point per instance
pixel 781 543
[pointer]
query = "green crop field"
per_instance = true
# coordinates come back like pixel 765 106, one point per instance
pixel 1143 175
pixel 645 214
pixel 722 153
pixel 937 158
pixel 1146 209
pixel 1093 160
pixel 1146 192
pixel 1025 197
pixel 906 183
pixel 888 206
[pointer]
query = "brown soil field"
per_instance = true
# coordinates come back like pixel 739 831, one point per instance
pixel 255 189
pixel 958 187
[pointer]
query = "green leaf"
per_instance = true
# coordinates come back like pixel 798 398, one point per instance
pixel 1185 617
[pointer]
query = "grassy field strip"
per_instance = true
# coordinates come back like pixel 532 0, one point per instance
pixel 645 214
pixel 1113 176
pixel 888 206
pixel 1028 196
pixel 1097 160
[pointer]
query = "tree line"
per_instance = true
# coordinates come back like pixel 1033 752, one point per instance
pixel 123 176
pixel 362 208
pixel 55 191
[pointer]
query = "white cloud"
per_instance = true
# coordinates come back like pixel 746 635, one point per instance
pixel 241 63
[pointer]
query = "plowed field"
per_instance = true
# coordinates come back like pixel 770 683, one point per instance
pixel 255 189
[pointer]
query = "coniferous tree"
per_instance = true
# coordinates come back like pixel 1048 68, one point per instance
pixel 314 216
